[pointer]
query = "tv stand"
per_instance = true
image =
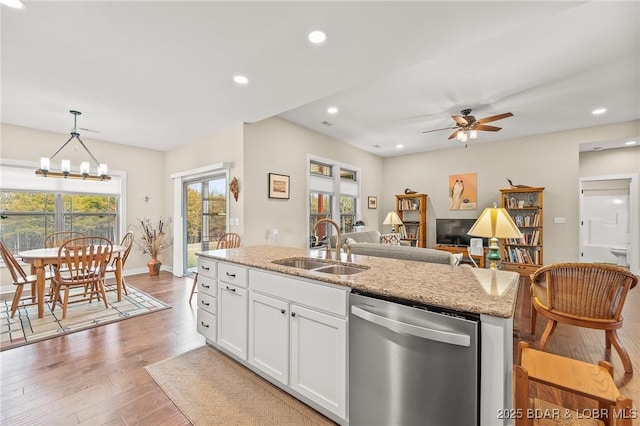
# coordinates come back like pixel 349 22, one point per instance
pixel 453 249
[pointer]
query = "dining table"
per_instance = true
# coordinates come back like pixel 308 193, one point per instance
pixel 41 257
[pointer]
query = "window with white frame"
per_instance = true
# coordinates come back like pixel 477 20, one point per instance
pixel 32 207
pixel 334 193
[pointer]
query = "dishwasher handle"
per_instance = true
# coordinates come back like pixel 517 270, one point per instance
pixel 413 330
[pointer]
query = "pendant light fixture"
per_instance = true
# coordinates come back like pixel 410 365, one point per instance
pixel 65 165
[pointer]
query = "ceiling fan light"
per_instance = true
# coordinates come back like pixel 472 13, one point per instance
pixel 464 137
pixel 460 134
pixel 473 134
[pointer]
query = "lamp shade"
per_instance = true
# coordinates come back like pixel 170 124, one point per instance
pixel 495 222
pixel 392 219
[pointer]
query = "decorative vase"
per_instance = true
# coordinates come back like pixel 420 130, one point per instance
pixel 154 267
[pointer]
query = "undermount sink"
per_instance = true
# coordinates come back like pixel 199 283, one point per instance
pixel 320 265
pixel 341 269
pixel 301 263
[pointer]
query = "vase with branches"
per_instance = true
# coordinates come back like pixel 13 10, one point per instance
pixel 152 239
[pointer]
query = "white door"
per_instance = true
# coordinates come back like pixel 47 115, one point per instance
pixel 608 219
pixel 232 319
pixel 319 358
pixel 269 336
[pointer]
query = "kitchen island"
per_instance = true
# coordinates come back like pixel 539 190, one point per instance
pixel 244 283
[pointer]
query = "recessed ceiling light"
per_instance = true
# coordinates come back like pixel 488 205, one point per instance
pixel 630 143
pixel 317 37
pixel 399 146
pixel 240 79
pixel 332 110
pixel 16 4
pixel 599 111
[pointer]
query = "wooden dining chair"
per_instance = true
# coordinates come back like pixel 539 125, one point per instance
pixel 20 278
pixel 58 238
pixel 589 295
pixel 127 241
pixel 84 262
pixel 227 240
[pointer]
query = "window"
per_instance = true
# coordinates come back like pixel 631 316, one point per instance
pixel 332 195
pixel 27 217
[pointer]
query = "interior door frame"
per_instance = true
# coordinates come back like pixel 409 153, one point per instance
pixel 632 256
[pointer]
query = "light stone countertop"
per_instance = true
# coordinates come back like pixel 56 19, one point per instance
pixel 461 288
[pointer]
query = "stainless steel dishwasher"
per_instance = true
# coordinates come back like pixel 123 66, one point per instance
pixel 411 365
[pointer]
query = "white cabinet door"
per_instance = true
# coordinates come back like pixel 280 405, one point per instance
pixel 232 319
pixel 319 358
pixel 269 336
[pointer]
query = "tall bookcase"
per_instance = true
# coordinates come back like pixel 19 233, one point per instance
pixel 525 206
pixel 412 209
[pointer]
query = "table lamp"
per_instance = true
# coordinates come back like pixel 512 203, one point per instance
pixel 392 219
pixel 494 223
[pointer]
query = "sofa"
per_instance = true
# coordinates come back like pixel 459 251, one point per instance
pixel 358 237
pixel 405 253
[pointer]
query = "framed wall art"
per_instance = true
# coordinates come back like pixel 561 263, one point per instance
pixel 373 202
pixel 278 186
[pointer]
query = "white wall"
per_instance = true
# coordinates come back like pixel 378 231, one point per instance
pixel 278 146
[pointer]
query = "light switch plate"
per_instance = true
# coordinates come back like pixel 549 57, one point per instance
pixel 558 220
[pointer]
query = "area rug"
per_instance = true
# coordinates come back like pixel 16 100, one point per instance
pixel 212 389
pixel 25 327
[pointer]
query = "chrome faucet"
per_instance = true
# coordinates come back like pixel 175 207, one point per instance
pixel 338 238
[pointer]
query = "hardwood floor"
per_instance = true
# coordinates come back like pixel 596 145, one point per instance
pixel 97 377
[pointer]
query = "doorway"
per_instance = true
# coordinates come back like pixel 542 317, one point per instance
pixel 609 219
pixel 205 216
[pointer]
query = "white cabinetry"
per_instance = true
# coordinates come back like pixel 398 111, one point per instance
pixel 298 336
pixel 269 336
pixel 207 304
pixel 232 309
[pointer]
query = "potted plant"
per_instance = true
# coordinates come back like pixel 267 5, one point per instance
pixel 152 240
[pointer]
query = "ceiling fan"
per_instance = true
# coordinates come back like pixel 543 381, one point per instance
pixel 467 125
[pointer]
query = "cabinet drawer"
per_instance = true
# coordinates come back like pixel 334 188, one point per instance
pixel 524 269
pixel 207 285
pixel 207 267
pixel 232 274
pixel 207 303
pixel 207 324
pixel 318 296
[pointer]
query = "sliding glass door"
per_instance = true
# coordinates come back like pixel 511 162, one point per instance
pixel 205 216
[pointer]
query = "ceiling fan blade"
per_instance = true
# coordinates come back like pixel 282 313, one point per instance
pixel 437 130
pixel 494 118
pixel 487 128
pixel 453 135
pixel 460 120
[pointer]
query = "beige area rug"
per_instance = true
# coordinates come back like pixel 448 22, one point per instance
pixel 25 327
pixel 212 389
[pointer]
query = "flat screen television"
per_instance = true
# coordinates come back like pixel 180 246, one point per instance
pixel 453 232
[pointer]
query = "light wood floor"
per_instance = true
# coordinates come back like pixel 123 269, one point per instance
pixel 97 377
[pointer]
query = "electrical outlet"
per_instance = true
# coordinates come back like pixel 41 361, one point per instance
pixel 558 220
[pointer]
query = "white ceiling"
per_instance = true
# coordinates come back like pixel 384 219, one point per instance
pixel 158 74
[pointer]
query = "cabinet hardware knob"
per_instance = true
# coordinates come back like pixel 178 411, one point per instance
pixel 231 275
pixel 205 303
pixel 231 289
pixel 282 311
pixel 293 314
pixel 206 286
pixel 204 325
pixel 206 268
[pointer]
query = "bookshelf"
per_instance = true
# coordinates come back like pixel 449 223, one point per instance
pixel 412 210
pixel 525 206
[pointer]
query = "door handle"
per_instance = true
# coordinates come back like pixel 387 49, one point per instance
pixel 412 330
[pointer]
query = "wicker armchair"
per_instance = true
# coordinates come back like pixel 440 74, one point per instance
pixel 587 295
